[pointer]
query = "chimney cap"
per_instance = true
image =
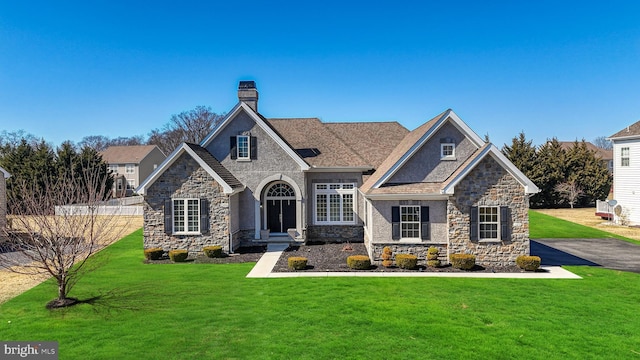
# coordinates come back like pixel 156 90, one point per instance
pixel 247 84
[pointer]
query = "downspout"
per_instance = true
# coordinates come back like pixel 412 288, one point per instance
pixel 229 227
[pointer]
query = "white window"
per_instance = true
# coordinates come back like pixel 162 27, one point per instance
pixel 186 216
pixel 448 151
pixel 410 222
pixel 334 203
pixel 488 222
pixel 131 184
pixel 113 168
pixel 624 156
pixel 129 168
pixel 243 147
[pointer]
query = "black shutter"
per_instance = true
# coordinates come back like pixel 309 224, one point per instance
pixel 395 222
pixel 473 224
pixel 204 216
pixel 425 232
pixel 505 234
pixel 168 217
pixel 233 149
pixel 253 147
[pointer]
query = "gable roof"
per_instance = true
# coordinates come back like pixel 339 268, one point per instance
pixel 603 153
pixel 212 166
pixel 412 142
pixel 4 173
pixel 631 132
pixel 132 154
pixel 260 121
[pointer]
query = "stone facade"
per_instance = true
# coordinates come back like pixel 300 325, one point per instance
pixel 186 179
pixel 417 249
pixel 335 233
pixel 489 184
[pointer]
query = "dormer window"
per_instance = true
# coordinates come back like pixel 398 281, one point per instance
pixel 448 151
pixel 243 147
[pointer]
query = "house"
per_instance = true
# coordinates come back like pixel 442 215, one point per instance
pixel 626 172
pixel 130 165
pixel 255 179
pixel 605 155
pixel 4 175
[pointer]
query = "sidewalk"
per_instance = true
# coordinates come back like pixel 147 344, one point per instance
pixel 264 267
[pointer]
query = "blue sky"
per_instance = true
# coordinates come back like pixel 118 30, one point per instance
pixel 565 69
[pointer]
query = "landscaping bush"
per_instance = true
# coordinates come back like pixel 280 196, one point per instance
pixel 406 261
pixel 213 251
pixel 178 255
pixel 297 262
pixel 432 257
pixel 359 262
pixel 529 263
pixel 387 255
pixel 463 261
pixel 153 253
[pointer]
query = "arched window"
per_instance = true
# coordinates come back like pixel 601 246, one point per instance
pixel 280 190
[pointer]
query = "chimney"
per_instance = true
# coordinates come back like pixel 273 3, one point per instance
pixel 248 94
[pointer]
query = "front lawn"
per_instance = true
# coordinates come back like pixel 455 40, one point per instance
pixel 207 311
pixel 543 226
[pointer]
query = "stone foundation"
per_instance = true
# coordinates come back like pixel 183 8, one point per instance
pixel 419 250
pixel 335 233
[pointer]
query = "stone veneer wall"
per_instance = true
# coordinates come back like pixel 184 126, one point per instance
pixel 417 249
pixel 489 185
pixel 335 233
pixel 186 179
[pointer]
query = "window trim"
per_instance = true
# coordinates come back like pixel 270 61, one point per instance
pixel 131 184
pixel 452 156
pixel 185 203
pixel 238 148
pixel 497 224
pixel 129 168
pixel 328 189
pixel 418 222
pixel 625 155
pixel 113 168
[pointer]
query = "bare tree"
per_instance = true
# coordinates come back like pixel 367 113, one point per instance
pixel 101 142
pixel 569 191
pixel 56 240
pixel 188 126
pixel 603 143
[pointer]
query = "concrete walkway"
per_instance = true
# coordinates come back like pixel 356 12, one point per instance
pixel 264 267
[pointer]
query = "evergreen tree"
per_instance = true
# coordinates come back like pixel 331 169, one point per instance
pixel 548 171
pixel 522 154
pixel 584 167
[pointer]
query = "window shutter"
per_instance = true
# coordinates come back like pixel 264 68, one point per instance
pixel 473 224
pixel 253 152
pixel 425 232
pixel 233 149
pixel 204 216
pixel 504 223
pixel 395 222
pixel 168 217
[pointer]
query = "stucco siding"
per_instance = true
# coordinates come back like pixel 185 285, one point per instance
pixel 426 166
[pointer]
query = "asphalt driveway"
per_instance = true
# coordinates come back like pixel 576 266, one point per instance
pixel 608 253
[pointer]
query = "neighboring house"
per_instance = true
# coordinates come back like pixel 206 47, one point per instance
pixel 606 156
pixel 626 172
pixel 4 175
pixel 130 165
pixel 257 179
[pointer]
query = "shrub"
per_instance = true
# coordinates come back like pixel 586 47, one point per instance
pixel 406 261
pixel 359 262
pixel 432 257
pixel 178 255
pixel 387 254
pixel 529 263
pixel 153 253
pixel 297 262
pixel 463 261
pixel 213 251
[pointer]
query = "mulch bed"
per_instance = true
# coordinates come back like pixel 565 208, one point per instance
pixel 241 255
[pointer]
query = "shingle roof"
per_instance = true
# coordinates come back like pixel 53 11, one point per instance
pixel 133 154
pixel 603 153
pixel 215 165
pixel 316 143
pixel 631 130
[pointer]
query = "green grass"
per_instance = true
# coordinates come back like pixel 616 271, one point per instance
pixel 209 311
pixel 543 226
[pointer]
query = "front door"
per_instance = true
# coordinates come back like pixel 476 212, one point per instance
pixel 281 208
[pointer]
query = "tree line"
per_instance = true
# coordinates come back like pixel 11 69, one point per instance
pixel 573 177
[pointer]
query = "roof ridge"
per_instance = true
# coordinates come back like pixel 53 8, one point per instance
pixel 364 161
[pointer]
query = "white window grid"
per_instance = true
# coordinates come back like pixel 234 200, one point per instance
pixel 334 203
pixel 488 222
pixel 410 222
pixel 129 168
pixel 624 156
pixel 243 147
pixel 186 216
pixel 448 150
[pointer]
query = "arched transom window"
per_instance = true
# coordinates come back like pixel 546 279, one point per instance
pixel 281 190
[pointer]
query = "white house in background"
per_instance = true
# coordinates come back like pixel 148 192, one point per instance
pixel 4 175
pixel 626 172
pixel 130 165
